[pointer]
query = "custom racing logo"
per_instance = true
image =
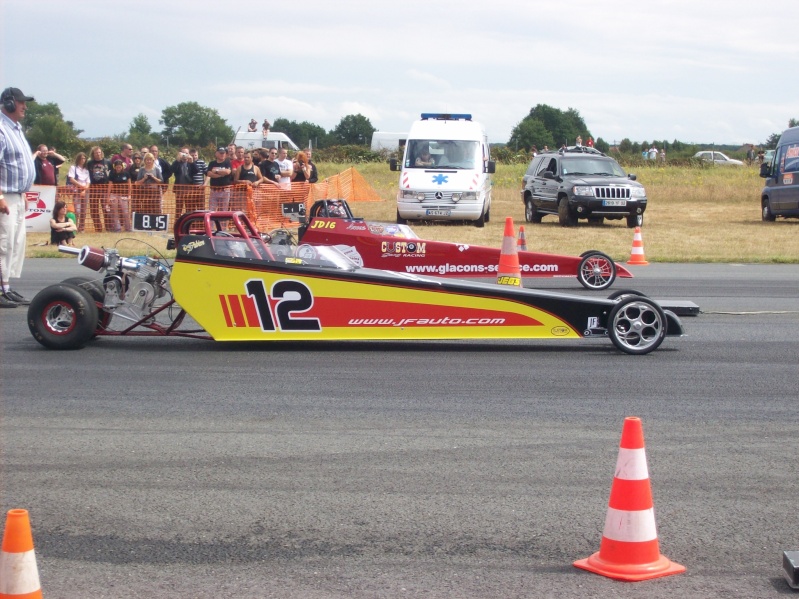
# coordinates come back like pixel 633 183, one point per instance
pixel 396 249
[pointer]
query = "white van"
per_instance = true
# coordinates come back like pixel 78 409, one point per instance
pixel 445 171
pixel 385 140
pixel 255 140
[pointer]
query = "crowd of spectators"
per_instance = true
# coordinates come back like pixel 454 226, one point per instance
pixel 108 191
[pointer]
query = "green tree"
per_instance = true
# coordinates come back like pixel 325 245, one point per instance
pixel 353 129
pixel 301 133
pixel 601 145
pixel 564 127
pixel 140 132
pixel 45 124
pixel 771 142
pixel 189 123
pixel 528 133
pixel 625 146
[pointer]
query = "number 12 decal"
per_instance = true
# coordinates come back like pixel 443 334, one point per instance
pixel 291 296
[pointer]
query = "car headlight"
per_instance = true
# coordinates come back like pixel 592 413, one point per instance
pixel 583 190
pixel 464 195
pixel 407 194
pixel 637 192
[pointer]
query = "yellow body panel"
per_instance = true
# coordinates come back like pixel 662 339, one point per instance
pixel 249 304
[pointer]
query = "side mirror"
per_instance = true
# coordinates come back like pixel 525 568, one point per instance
pixel 632 177
pixel 392 164
pixel 491 167
pixel 548 175
pixel 765 170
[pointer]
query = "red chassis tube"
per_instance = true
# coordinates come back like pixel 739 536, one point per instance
pixel 396 248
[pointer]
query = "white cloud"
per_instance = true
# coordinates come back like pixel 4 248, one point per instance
pixel 706 71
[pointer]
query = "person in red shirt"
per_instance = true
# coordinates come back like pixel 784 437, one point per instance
pixel 237 158
pixel 46 162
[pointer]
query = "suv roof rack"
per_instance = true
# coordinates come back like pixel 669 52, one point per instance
pixel 580 150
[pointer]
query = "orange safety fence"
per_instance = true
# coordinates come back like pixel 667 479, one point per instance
pixel 109 207
pixel 348 184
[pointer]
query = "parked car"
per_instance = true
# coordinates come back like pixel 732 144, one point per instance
pixel 780 195
pixel 580 182
pixel 717 158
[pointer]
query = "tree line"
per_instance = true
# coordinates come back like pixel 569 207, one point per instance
pixel 190 124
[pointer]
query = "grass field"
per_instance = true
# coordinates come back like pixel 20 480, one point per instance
pixel 694 215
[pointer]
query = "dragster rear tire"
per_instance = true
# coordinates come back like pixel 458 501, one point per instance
pixel 62 316
pixel 96 290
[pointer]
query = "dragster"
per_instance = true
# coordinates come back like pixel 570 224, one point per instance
pixel 397 247
pixel 229 283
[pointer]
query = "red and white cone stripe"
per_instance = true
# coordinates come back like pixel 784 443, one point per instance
pixel 629 549
pixel 19 575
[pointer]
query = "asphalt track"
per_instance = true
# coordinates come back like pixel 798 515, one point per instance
pixel 184 468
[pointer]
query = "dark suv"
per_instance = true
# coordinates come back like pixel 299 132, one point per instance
pixel 580 182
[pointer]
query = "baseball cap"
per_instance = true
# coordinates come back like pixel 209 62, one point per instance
pixel 221 149
pixel 17 94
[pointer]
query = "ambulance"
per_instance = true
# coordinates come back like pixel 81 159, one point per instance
pixel 445 171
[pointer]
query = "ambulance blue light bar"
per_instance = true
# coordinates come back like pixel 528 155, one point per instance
pixel 446 117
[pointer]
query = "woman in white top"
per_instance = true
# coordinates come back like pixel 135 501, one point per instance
pixel 78 184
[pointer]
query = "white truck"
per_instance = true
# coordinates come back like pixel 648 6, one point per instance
pixel 256 140
pixel 385 140
pixel 445 171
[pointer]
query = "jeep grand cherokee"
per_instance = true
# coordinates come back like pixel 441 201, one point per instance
pixel 581 182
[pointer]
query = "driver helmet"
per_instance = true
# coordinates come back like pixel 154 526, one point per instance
pixel 335 209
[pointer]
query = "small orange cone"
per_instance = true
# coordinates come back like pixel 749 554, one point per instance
pixel 629 548
pixel 521 243
pixel 19 577
pixel 509 272
pixel 637 254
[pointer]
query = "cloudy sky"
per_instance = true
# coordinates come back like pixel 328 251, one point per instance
pixel 697 71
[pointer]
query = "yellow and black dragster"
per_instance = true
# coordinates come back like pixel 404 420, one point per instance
pixel 237 286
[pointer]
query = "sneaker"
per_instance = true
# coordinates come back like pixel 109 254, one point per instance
pixel 6 303
pixel 16 297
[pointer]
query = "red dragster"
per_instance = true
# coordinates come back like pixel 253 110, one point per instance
pixel 395 247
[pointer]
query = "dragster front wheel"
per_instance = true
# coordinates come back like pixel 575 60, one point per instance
pixel 62 316
pixel 637 325
pixel 596 271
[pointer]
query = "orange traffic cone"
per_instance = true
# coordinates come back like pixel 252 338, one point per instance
pixel 19 577
pixel 637 254
pixel 629 548
pixel 521 243
pixel 509 272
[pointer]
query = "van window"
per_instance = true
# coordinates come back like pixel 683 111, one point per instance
pixel 790 163
pixel 442 153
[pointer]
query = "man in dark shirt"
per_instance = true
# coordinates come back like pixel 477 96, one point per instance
pixel 270 169
pixel 314 174
pixel 183 170
pixel 220 174
pixel 46 162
